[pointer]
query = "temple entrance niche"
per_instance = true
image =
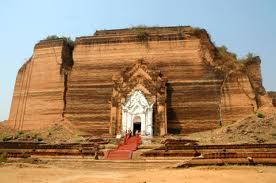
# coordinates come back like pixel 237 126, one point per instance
pixel 137 127
pixel 137 114
pixel 138 101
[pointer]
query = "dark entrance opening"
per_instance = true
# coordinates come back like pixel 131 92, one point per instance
pixel 136 126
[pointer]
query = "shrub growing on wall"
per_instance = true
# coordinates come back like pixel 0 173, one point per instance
pixel 3 157
pixel 260 115
pixel 141 32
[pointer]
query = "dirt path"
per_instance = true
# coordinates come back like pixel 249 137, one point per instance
pixel 26 173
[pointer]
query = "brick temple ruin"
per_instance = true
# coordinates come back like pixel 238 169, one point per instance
pixel 158 80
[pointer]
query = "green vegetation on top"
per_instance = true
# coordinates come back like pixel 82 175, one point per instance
pixel 230 62
pixel 224 53
pixel 140 32
pixel 69 40
pixel 51 37
pixel 247 58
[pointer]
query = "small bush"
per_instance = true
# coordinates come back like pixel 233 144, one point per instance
pixel 7 138
pixel 142 35
pixel 51 37
pixel 197 31
pixel 260 115
pixel 224 53
pixel 69 40
pixel 180 33
pixel 141 32
pixel 18 134
pixel 248 58
pixel 3 157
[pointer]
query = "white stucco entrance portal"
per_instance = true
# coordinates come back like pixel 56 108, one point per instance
pixel 137 111
pixel 139 101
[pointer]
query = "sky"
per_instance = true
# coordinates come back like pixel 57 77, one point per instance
pixel 241 25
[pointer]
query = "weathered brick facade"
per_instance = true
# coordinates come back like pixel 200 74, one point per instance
pixel 200 95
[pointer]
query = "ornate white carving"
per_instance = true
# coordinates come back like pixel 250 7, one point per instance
pixel 128 97
pixel 137 105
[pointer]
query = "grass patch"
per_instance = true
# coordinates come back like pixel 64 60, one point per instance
pixel 260 115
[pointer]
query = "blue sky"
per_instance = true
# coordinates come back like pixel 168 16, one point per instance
pixel 242 25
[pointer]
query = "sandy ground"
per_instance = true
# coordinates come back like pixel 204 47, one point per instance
pixel 27 173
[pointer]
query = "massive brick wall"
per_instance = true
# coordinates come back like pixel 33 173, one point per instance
pixel 38 94
pixel 193 87
pixel 238 98
pixel 199 97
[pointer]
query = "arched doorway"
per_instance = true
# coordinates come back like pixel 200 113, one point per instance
pixel 137 114
pixel 136 124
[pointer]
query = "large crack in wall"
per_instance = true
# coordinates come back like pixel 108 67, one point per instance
pixel 64 94
pixel 65 69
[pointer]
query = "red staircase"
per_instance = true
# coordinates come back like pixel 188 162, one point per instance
pixel 124 151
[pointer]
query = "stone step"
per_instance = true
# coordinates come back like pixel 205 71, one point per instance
pixel 112 163
pixel 124 151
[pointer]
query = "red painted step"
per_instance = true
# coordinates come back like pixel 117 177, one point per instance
pixel 124 151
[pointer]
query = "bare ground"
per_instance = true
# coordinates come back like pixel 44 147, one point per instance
pixel 27 173
pixel 249 130
pixel 60 132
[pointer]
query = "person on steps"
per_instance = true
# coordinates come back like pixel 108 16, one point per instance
pixel 129 132
pixel 125 137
